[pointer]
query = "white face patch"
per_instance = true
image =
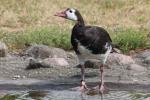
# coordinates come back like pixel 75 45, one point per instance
pixel 71 14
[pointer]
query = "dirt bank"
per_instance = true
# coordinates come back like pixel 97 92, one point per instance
pixel 13 68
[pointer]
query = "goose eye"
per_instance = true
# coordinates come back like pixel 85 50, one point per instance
pixel 70 11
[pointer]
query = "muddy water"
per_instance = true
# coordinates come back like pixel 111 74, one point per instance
pixel 71 95
pixel 45 90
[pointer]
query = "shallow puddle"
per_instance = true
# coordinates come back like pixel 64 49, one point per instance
pixel 44 90
pixel 72 95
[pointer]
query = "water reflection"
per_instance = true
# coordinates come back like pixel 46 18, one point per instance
pixel 74 95
pixel 37 95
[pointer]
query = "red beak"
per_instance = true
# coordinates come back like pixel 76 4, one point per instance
pixel 61 14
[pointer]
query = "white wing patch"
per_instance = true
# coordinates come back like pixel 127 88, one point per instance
pixel 87 54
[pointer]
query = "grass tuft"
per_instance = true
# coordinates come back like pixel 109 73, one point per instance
pixel 53 36
pixel 130 39
pixel 127 40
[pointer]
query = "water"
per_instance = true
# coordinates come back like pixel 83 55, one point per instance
pixel 39 90
pixel 72 95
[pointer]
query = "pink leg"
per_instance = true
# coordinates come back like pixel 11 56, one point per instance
pixel 101 84
pixel 102 88
pixel 83 85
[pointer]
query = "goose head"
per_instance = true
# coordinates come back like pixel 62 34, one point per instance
pixel 71 14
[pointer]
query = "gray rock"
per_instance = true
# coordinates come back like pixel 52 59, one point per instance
pixel 56 62
pixel 38 51
pixel 58 53
pixel 36 63
pixel 92 64
pixel 119 59
pixel 117 50
pixel 147 60
pixel 113 59
pixel 144 54
pixel 43 51
pixel 136 67
pixel 46 63
pixel 43 56
pixel 3 49
pixel 72 59
pixel 16 77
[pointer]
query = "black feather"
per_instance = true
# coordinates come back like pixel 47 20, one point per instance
pixel 92 37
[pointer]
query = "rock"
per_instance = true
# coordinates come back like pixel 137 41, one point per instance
pixel 117 50
pixel 36 63
pixel 119 59
pixel 16 77
pixel 132 52
pixel 46 63
pixel 147 60
pixel 72 59
pixel 144 54
pixel 113 59
pixel 43 51
pixel 56 62
pixel 136 67
pixel 3 49
pixel 38 51
pixel 88 64
pixel 92 64
pixel 43 56
pixel 58 53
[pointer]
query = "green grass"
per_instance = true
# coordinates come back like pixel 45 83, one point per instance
pixel 130 39
pixel 9 97
pixel 126 39
pixel 53 36
pixel 37 18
